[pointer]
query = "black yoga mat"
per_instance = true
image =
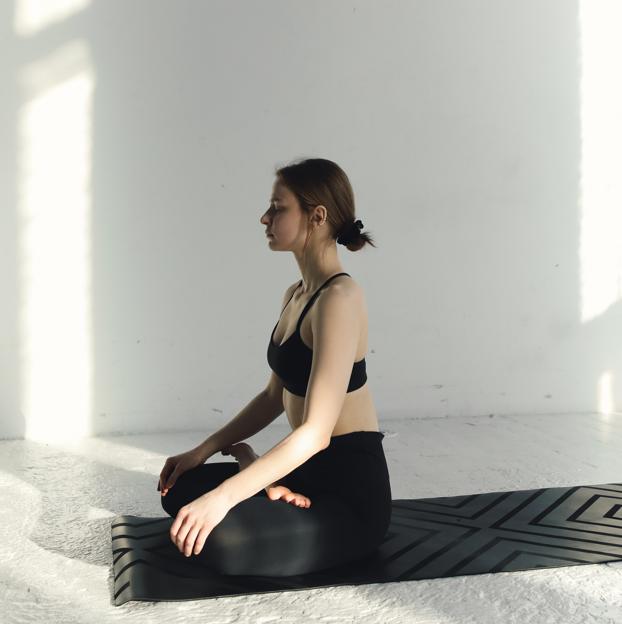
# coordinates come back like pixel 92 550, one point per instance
pixel 427 538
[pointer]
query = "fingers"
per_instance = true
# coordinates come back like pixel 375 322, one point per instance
pixel 200 540
pixel 188 536
pixel 179 530
pixel 165 474
pixel 188 545
pixel 170 482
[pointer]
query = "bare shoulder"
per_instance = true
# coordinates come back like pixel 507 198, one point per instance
pixel 343 287
pixel 341 305
pixel 348 285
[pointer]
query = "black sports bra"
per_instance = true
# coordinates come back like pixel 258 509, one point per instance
pixel 292 360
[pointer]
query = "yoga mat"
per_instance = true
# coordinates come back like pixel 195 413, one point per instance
pixel 427 538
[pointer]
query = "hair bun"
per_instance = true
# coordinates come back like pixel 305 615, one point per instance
pixel 350 232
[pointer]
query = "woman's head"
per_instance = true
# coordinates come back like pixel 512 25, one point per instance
pixel 314 196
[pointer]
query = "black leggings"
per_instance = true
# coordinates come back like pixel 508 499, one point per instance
pixel 348 485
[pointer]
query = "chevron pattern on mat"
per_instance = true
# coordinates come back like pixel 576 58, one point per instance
pixel 427 538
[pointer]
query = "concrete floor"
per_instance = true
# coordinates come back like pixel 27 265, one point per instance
pixel 57 502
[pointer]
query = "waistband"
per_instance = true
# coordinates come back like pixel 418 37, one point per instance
pixel 357 439
pixel 357 456
pixel 357 434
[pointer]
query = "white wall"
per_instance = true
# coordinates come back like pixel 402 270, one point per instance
pixel 139 141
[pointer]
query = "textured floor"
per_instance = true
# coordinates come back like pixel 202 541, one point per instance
pixel 56 503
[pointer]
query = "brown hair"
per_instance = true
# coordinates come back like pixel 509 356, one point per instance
pixel 316 181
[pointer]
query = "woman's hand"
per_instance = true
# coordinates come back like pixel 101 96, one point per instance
pixel 196 520
pixel 177 465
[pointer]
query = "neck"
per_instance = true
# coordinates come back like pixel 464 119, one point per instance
pixel 316 266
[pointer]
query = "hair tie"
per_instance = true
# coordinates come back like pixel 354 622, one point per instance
pixel 350 232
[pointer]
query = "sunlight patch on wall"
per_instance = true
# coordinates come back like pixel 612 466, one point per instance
pixel 54 127
pixel 605 394
pixel 32 16
pixel 600 200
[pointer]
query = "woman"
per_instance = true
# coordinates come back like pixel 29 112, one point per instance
pixel 322 496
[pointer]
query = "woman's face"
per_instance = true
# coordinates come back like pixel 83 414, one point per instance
pixel 283 218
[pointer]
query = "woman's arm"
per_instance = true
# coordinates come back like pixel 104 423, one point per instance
pixel 245 456
pixel 291 452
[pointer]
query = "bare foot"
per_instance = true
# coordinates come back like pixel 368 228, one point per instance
pixel 277 492
pixel 242 452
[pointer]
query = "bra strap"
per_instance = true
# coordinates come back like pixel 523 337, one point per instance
pixel 315 294
pixel 290 298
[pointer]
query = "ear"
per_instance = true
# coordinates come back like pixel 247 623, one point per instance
pixel 320 214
